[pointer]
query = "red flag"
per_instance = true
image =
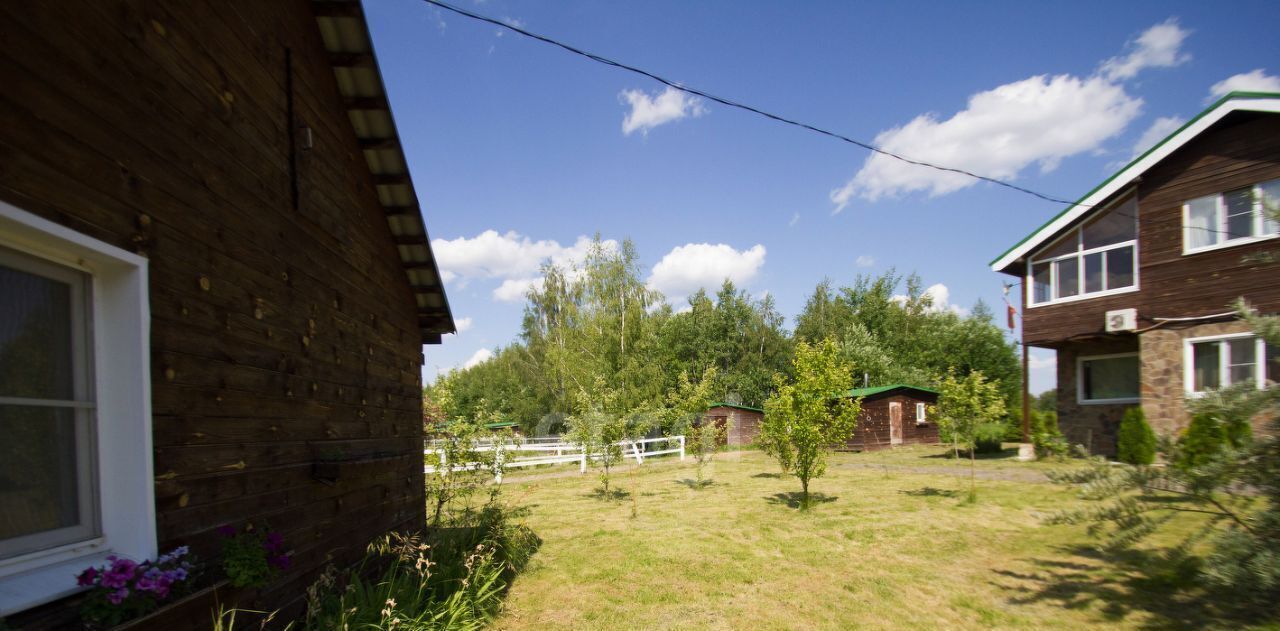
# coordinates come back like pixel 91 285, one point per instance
pixel 1012 313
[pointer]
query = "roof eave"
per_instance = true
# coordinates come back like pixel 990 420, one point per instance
pixel 1233 102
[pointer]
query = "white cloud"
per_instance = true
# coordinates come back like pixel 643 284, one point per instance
pixel 479 357
pixel 648 112
pixel 510 257
pixel 794 219
pixel 1157 47
pixel 1040 120
pixel 1044 371
pixel 1041 362
pixel 693 266
pixel 1254 81
pixel 515 289
pixel 1162 127
pixel 865 261
pixel 463 324
pixel 941 299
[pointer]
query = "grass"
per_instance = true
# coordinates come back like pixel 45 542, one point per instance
pixel 889 543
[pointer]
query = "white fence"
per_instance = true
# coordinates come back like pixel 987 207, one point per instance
pixel 532 452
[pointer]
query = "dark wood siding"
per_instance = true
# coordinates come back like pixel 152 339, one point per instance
pixel 1241 150
pixel 283 328
pixel 873 423
pixel 744 425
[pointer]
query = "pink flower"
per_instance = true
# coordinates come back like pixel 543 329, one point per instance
pixel 119 595
pixel 87 577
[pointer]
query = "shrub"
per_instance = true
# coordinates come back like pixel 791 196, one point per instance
pixel 1135 440
pixel 1046 436
pixel 989 437
pixel 1203 440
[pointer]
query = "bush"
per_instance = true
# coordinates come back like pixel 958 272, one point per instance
pixel 1136 441
pixel 1046 436
pixel 989 437
pixel 1202 442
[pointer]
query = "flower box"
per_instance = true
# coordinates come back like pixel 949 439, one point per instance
pixel 194 611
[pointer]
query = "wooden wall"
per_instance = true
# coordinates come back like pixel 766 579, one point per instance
pixel 873 424
pixel 1242 150
pixel 283 327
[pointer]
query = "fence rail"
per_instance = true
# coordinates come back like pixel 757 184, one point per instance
pixel 507 454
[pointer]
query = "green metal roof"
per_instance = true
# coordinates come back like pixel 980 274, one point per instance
pixel 1219 103
pixel 735 406
pixel 500 424
pixel 866 392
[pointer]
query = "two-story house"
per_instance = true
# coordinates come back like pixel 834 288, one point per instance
pixel 1133 285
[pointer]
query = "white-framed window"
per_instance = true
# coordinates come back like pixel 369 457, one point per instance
pixel 1223 360
pixel 1230 218
pixel 921 409
pixel 1099 258
pixel 76 481
pixel 1105 379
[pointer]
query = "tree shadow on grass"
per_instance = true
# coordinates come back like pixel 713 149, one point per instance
pixel 774 476
pixel 930 491
pixel 697 485
pixel 1003 454
pixel 613 494
pixel 794 499
pixel 1155 582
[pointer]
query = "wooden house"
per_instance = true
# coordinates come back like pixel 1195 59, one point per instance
pixel 1134 284
pixel 213 275
pixel 743 422
pixel 893 415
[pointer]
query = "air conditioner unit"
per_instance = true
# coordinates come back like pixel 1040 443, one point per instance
pixel 1122 320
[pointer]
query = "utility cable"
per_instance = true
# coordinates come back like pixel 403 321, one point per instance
pixel 742 106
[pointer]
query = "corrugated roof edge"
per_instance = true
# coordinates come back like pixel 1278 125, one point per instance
pixel 866 392
pixel 1217 104
pixel 735 406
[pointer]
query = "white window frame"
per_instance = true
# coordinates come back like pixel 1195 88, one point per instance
pixel 1260 222
pixel 1079 254
pixel 1224 361
pixel 921 410
pixel 121 349
pixel 1080 380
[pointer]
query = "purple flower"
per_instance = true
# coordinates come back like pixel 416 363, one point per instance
pixel 179 574
pixel 280 561
pixel 227 530
pixel 274 542
pixel 87 577
pixel 119 595
pixel 119 574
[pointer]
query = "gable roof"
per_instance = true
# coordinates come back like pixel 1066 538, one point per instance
pixel 346 38
pixel 889 389
pixel 735 406
pixel 1233 102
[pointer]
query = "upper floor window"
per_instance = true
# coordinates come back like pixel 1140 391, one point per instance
pixel 1230 218
pixel 1099 257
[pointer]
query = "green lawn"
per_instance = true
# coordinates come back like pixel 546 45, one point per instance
pixel 890 544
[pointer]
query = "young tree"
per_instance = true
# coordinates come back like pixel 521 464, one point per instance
pixel 686 407
pixel 1135 440
pixel 597 429
pixel 966 406
pixel 806 417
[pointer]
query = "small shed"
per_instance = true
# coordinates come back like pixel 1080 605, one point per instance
pixel 891 415
pixel 743 421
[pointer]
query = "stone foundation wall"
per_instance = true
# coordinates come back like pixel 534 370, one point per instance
pixel 1163 372
pixel 1091 425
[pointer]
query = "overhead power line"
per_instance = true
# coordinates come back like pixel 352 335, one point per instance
pixel 742 106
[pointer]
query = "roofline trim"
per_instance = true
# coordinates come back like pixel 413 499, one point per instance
pixel 1233 102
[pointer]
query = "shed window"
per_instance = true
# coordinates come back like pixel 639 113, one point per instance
pixel 1218 362
pixel 921 419
pixel 1230 218
pixel 1097 258
pixel 1109 378
pixel 76 482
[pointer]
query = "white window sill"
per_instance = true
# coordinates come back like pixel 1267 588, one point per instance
pixel 1099 294
pixel 1228 244
pixel 45 583
pixel 1109 401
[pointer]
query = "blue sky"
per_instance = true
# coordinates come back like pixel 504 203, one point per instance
pixel 520 150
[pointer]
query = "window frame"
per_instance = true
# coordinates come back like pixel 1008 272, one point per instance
pixel 121 371
pixel 1260 222
pixel 1079 254
pixel 922 414
pixel 1224 361
pixel 1080 361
